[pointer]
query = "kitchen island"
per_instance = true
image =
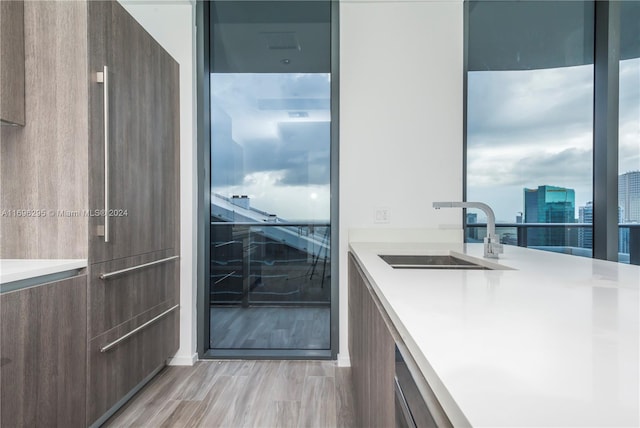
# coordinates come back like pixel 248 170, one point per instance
pixel 545 340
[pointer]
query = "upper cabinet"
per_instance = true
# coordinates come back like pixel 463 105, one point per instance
pixel 94 173
pixel 133 121
pixel 12 64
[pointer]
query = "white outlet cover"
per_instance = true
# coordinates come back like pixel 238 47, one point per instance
pixel 382 215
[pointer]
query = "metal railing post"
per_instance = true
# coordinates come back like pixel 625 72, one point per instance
pixel 522 236
pixel 246 242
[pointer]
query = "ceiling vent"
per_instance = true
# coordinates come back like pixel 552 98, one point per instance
pixel 281 40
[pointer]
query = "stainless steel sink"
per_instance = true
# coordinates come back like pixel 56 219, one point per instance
pixel 430 262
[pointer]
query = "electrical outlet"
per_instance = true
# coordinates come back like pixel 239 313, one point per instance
pixel 381 215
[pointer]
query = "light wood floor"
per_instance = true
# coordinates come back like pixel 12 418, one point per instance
pixel 244 394
pixel 270 327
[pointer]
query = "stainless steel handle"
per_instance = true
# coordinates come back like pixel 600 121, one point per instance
pixel 103 77
pixel 144 265
pixel 108 346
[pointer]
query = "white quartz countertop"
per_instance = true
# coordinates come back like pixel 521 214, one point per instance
pixel 553 342
pixel 21 269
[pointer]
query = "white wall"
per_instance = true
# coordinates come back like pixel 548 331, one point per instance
pixel 400 118
pixel 172 24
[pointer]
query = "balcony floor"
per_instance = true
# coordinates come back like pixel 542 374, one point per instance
pixel 270 327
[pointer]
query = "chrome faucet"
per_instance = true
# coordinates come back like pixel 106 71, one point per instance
pixel 492 245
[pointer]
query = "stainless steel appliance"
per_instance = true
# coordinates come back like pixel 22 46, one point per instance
pixel 411 410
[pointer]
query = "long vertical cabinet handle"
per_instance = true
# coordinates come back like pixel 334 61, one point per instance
pixel 103 77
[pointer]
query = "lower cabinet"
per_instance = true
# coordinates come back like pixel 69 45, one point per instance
pixel 372 353
pixel 133 326
pixel 113 373
pixel 43 355
pixel 125 296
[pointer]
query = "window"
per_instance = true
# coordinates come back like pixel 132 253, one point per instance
pixel 270 290
pixel 530 120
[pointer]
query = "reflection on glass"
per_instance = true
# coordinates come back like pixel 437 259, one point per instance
pixel 530 121
pixel 281 274
pixel 270 211
pixel 271 142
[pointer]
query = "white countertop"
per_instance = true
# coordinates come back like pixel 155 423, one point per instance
pixel 20 269
pixel 554 342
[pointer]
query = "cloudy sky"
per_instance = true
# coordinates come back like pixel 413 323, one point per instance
pixel 534 127
pixel 271 141
pixel 271 137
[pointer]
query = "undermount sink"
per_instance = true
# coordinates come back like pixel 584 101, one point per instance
pixel 430 262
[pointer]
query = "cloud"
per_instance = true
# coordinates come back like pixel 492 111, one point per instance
pixel 253 132
pixel 293 203
pixel 531 104
pixel 535 127
pixel 629 132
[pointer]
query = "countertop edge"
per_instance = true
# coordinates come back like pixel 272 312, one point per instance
pixel 22 273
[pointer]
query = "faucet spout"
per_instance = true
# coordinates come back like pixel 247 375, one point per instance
pixel 492 246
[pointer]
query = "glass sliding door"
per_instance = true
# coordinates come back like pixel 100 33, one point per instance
pixel 270 230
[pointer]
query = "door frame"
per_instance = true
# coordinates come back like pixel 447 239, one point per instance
pixel 204 200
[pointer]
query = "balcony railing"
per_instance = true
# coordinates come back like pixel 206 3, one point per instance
pixel 568 238
pixel 270 263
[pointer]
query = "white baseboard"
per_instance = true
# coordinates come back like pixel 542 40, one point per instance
pixel 183 360
pixel 344 360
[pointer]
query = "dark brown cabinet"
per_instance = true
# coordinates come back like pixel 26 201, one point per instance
pixel 117 371
pixel 133 121
pixel 372 353
pixel 117 300
pixel 100 155
pixel 134 151
pixel 12 96
pixel 43 355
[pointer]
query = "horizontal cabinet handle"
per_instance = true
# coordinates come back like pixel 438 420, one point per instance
pixel 108 346
pixel 144 265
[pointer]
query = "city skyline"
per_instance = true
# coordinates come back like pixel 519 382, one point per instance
pixel 528 128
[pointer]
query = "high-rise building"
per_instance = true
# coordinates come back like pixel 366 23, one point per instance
pixel 472 218
pixel 549 204
pixel 585 236
pixel 530 205
pixel 629 196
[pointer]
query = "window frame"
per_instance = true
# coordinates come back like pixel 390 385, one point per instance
pixel 605 126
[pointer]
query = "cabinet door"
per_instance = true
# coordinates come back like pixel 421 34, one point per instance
pixel 142 145
pixel 114 373
pixel 118 299
pixel 43 355
pixel 371 349
pixel 357 353
pixel 12 63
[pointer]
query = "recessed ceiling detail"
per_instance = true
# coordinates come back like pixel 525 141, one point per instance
pixel 281 40
pixel 270 37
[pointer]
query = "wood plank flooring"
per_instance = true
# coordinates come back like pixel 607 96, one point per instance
pixel 234 394
pixel 270 327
